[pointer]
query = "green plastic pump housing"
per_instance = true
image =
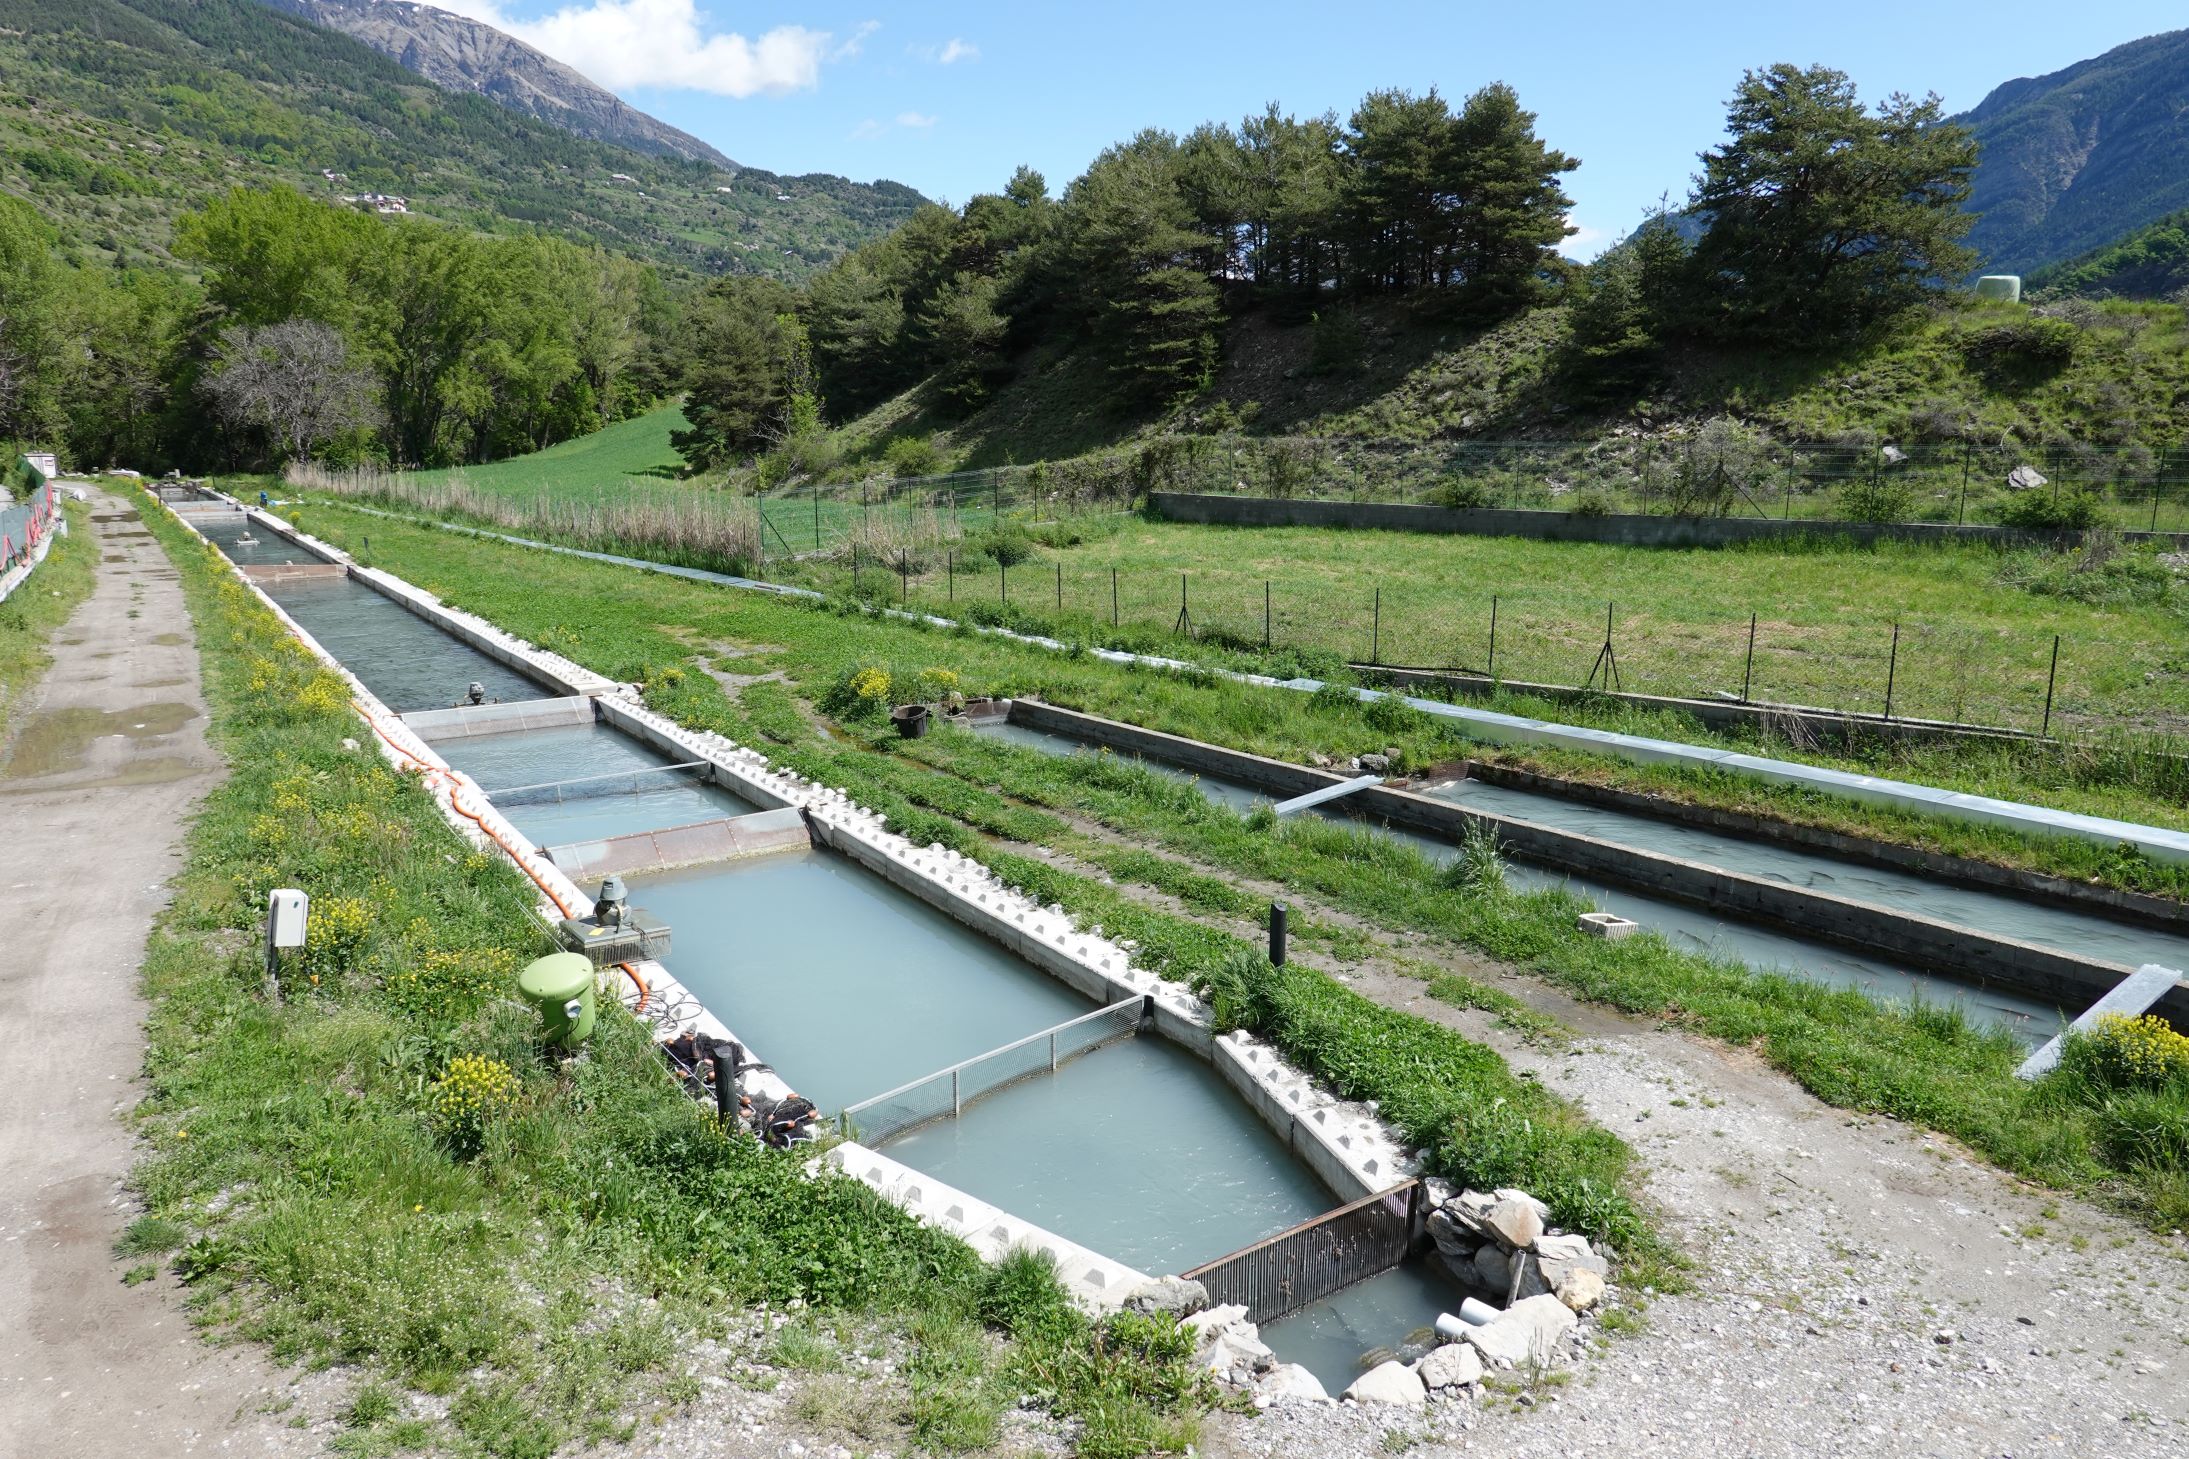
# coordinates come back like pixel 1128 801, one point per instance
pixel 561 986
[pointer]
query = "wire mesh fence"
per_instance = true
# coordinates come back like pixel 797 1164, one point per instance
pixel 2024 680
pixel 1288 1271
pixel 945 1093
pixel 1712 473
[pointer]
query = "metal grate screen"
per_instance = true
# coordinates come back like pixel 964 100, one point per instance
pixel 1285 1272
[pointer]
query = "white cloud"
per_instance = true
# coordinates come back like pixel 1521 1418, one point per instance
pixel 671 43
pixel 914 121
pixel 1584 242
pixel 949 53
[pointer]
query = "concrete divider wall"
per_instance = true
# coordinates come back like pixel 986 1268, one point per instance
pixel 1616 529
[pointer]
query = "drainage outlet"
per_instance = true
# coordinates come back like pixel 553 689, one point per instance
pixel 1608 925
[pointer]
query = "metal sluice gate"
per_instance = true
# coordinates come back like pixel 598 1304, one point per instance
pixel 1281 1274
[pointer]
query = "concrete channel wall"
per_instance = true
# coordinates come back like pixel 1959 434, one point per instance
pixel 1347 1147
pixel 2081 896
pixel 1976 957
pixel 1614 529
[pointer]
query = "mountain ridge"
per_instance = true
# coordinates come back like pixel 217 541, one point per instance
pixel 116 116
pixel 2081 157
pixel 459 54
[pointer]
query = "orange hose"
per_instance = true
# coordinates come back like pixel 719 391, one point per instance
pixel 645 994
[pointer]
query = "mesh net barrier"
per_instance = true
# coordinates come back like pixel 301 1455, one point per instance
pixel 627 782
pixel 1315 1258
pixel 943 1094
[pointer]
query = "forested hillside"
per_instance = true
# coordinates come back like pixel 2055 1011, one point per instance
pixel 2075 160
pixel 1394 275
pixel 2150 263
pixel 118 115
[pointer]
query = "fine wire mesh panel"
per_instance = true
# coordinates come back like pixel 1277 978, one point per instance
pixel 943 1094
pixel 1316 1258
pixel 625 782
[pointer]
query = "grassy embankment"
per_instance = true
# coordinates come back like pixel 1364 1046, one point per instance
pixel 535 1242
pixel 36 609
pixel 1921 1064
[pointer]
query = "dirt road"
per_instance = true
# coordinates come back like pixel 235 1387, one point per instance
pixel 94 795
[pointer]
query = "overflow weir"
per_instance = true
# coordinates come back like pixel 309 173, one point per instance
pixel 863 963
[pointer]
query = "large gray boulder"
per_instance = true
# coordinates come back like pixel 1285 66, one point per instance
pixel 1170 1296
pixel 1455 1365
pixel 1561 1256
pixel 1526 1332
pixel 1516 1223
pixel 1291 1383
pixel 1393 1384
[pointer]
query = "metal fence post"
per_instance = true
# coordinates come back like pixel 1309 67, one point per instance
pixel 1493 638
pixel 2052 677
pixel 2158 476
pixel 1892 669
pixel 1961 516
pixel 1060 587
pixel 1052 1051
pixel 1113 597
pixel 950 557
pixel 1265 613
pixel 904 572
pixel 1748 674
pixel 957 1102
pixel 1280 923
pixel 1375 632
pixel 1003 574
pixel 817 514
pixel 1184 625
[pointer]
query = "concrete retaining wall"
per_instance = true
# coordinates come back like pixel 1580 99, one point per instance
pixel 1971 955
pixel 1620 530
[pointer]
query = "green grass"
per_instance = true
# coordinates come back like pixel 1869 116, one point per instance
pixel 606 463
pixel 40 606
pixel 544 1278
pixel 1973 645
pixel 1920 1064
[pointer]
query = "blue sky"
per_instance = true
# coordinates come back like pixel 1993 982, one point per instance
pixel 951 97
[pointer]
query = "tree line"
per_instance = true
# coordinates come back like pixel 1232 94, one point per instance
pixel 1143 258
pixel 1816 219
pixel 314 330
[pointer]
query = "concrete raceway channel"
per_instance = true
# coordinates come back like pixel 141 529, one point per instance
pixel 1849 1324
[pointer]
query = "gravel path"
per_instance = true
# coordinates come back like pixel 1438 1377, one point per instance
pixel 110 757
pixel 1861 1287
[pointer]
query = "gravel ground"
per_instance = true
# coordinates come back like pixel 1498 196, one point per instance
pixel 1862 1287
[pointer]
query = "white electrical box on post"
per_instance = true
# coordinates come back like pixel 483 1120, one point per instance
pixel 287 910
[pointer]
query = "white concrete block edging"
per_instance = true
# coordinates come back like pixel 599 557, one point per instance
pixel 1349 1151
pixel 402 747
pixel 1492 727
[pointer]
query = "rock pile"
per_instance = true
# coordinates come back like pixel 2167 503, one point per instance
pixel 1539 1283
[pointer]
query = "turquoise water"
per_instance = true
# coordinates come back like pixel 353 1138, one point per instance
pixel 405 661
pixel 224 530
pixel 1230 793
pixel 1138 1150
pixel 586 812
pixel 1389 1315
pixel 1998 913
pixel 847 985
